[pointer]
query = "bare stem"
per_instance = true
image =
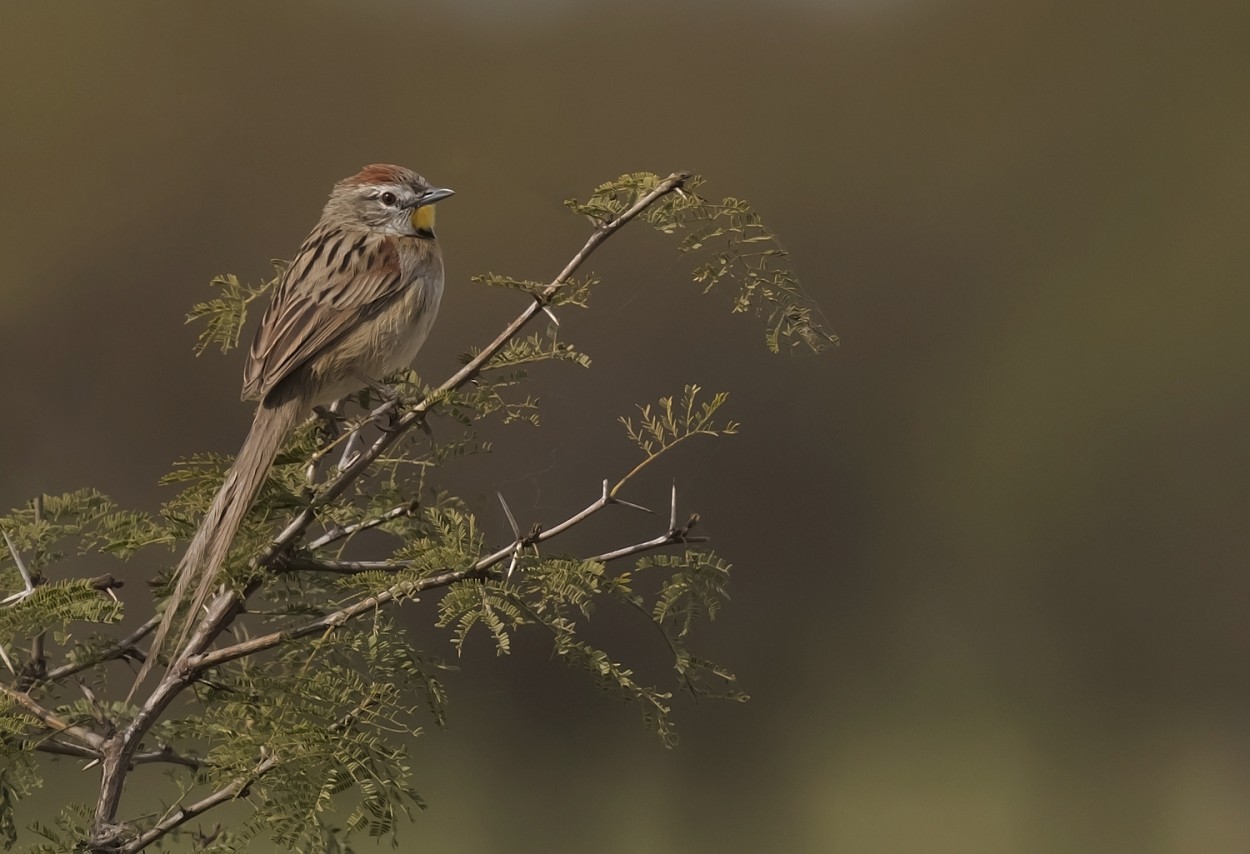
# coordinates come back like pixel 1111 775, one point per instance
pixel 670 539
pixel 196 664
pixel 343 567
pixel 51 720
pixel 183 814
pixel 117 650
pixel 341 533
pixel 165 754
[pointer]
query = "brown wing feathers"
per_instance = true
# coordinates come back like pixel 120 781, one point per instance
pixel 337 279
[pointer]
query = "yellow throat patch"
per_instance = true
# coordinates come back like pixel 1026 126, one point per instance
pixel 423 219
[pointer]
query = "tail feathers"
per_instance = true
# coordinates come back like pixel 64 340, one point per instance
pixel 209 547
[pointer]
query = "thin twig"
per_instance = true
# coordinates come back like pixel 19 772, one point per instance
pixel 59 748
pixel 342 567
pixel 669 539
pixel 340 533
pixel 117 650
pixel 652 457
pixel 51 720
pixel 196 664
pixel 183 814
pixel 167 754
pixel 673 536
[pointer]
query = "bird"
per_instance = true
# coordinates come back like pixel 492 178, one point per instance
pixel 355 304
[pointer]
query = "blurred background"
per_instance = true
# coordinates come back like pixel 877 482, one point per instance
pixel 990 585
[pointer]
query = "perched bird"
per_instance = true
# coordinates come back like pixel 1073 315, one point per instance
pixel 356 303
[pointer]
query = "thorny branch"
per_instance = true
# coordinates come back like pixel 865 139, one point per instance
pixel 180 815
pixel 164 754
pixel 53 722
pixel 406 509
pixel 124 647
pixel 197 664
pixel 122 749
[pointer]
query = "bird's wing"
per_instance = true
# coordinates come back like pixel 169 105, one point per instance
pixel 337 279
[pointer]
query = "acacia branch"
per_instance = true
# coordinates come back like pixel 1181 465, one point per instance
pixel 165 754
pixel 340 533
pixel 196 664
pixel 60 748
pixel 183 814
pixel 672 538
pixel 117 650
pixel 192 665
pixel 343 567
pixel 53 721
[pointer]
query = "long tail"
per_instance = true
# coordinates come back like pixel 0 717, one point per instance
pixel 208 549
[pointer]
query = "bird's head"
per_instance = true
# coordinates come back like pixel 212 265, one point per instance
pixel 386 198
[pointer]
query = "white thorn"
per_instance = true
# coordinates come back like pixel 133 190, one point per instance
pixel 21 564
pixel 349 450
pixel 516 530
pixel 7 663
pixel 547 311
pixel 90 765
pixel 16 597
pixel 631 505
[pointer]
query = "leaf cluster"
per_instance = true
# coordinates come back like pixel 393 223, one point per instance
pixel 660 427
pixel 223 316
pixel 573 291
pixel 742 253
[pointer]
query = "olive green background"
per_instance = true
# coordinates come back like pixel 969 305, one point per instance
pixel 991 587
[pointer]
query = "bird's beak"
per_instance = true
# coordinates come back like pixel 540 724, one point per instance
pixel 434 194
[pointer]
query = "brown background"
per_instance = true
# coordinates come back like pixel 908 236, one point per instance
pixel 991 577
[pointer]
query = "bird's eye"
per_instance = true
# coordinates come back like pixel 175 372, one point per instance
pixel 388 198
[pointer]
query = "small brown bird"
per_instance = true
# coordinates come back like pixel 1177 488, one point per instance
pixel 355 304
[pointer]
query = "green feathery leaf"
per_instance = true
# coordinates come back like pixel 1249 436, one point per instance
pixel 744 253
pixel 225 314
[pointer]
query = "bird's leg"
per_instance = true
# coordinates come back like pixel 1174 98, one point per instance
pixel 388 395
pixel 391 415
pixel 330 424
pixel 331 420
pixel 383 391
